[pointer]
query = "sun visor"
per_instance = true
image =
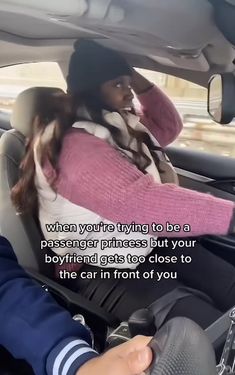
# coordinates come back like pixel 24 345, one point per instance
pixel 225 18
pixel 55 7
pixel 101 9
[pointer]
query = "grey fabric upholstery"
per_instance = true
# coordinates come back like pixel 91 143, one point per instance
pixel 25 108
pixel 21 230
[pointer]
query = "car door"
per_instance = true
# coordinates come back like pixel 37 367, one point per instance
pixel 204 152
pixel 213 174
pixel 206 163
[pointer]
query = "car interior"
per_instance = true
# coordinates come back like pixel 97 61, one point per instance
pixel 190 39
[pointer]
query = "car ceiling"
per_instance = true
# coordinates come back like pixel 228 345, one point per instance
pixel 178 37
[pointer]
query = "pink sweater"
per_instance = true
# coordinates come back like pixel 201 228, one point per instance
pixel 96 176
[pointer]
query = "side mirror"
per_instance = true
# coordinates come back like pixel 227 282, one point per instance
pixel 221 98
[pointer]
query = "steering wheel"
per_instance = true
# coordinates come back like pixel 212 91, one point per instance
pixel 181 347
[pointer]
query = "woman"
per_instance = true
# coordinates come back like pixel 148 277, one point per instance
pixel 98 163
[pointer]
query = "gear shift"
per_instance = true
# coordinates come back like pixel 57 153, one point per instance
pixel 142 322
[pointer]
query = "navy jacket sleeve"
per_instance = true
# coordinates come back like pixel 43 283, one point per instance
pixel 34 327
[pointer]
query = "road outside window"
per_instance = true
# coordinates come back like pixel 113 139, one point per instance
pixel 199 132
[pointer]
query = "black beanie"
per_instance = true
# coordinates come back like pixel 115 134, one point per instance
pixel 91 65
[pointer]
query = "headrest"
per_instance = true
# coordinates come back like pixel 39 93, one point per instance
pixel 26 107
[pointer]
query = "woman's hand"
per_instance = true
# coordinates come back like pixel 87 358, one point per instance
pixel 139 83
pixel 131 358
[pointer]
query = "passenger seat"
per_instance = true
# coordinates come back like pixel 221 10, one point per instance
pixel 21 230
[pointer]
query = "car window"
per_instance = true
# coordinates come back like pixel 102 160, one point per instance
pixel 199 132
pixel 15 79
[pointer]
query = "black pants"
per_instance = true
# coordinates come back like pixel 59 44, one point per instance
pixel 207 273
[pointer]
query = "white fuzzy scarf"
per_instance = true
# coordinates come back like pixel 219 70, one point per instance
pixel 167 173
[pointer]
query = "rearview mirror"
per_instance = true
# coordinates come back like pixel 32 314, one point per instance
pixel 221 98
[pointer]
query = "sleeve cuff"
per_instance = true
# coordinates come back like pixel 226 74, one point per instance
pixel 68 356
pixel 145 94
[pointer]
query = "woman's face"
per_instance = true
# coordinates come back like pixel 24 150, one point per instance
pixel 117 94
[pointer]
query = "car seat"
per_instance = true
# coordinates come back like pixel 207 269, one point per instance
pixel 23 231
